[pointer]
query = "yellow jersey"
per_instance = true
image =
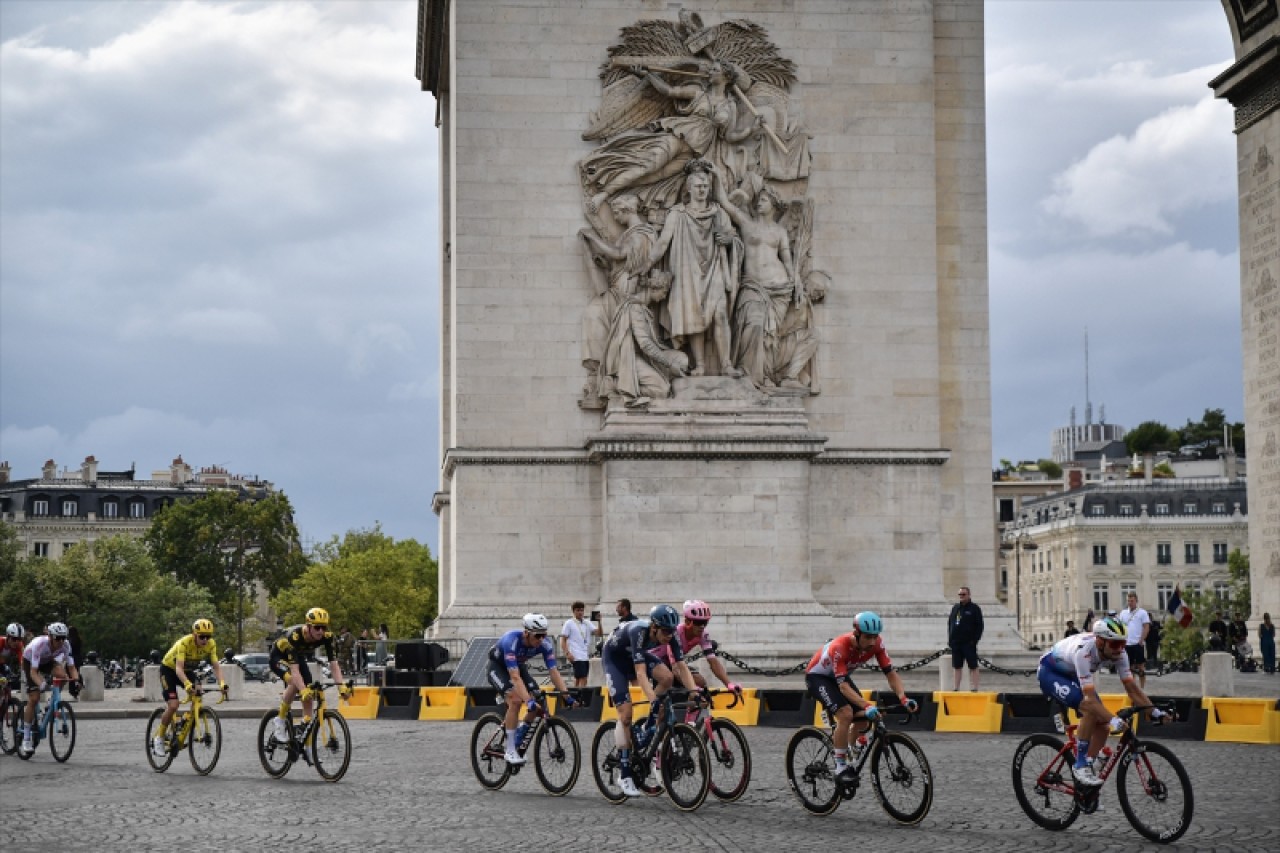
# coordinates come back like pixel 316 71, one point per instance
pixel 187 650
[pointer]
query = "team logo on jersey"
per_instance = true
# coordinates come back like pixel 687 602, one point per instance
pixel 1062 690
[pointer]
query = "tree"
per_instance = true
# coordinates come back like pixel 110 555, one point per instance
pixel 228 546
pixel 1186 644
pixel 1050 469
pixel 367 579
pixel 1149 437
pixel 1210 428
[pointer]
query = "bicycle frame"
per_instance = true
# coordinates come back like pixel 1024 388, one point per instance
pixel 1060 767
pixel 195 701
pixel 44 715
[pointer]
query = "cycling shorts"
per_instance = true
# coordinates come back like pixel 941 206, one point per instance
pixel 500 677
pixel 620 672
pixel 1061 688
pixel 826 689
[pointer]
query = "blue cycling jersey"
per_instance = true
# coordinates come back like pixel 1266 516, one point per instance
pixel 512 651
pixel 631 640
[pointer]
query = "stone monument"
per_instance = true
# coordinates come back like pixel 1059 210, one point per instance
pixel 714 313
pixel 1252 85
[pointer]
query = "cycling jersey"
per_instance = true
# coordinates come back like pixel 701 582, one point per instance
pixel 1077 657
pixel 294 647
pixel 187 649
pixel 631 641
pixel 41 652
pixel 686 642
pixel 511 650
pixel 10 655
pixel 841 656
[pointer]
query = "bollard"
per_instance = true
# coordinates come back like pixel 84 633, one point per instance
pixel 595 675
pixel 945 677
pixel 152 688
pixel 1217 678
pixel 234 676
pixel 94 684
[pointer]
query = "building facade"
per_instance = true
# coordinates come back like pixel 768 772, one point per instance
pixel 1087 548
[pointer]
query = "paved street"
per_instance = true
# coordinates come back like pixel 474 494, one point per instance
pixel 410 783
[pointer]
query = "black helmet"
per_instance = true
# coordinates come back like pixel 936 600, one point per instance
pixel 155 656
pixel 664 616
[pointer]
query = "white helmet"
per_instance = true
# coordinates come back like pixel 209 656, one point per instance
pixel 1109 628
pixel 535 622
pixel 57 629
pixel 15 630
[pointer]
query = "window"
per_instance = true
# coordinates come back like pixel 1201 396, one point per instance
pixel 1066 596
pixel 1097 509
pixel 69 508
pixel 39 507
pixel 1125 589
pixel 1190 508
pixel 40 549
pixel 1222 592
pixel 1066 559
pixel 1220 553
pixel 1101 601
pixel 1164 553
pixel 1164 592
pixel 1126 509
pixel 110 509
pixel 1193 587
pixel 1219 508
pixel 1192 551
pixel 1126 554
pixel 1099 555
pixel 1162 509
pixel 1006 509
pixel 137 509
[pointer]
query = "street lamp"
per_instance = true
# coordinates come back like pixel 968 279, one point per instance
pixel 235 550
pixel 1017 544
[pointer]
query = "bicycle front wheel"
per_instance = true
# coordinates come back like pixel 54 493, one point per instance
pixel 62 732
pixel 276 756
pixel 10 724
pixel 901 777
pixel 606 766
pixel 811 770
pixel 331 746
pixel 730 760
pixel 205 742
pixel 1155 793
pixel 1043 783
pixel 159 763
pixel 557 757
pixel 686 768
pixel 488 752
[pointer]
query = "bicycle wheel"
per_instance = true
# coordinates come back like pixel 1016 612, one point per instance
pixel 686 768
pixel 331 747
pixel 1155 793
pixel 276 757
pixel 901 777
pixel 488 751
pixel 204 743
pixel 811 770
pixel 10 721
pixel 730 760
pixel 62 732
pixel 606 767
pixel 1043 783
pixel 557 757
pixel 159 763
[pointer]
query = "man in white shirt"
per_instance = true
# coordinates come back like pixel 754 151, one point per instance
pixel 575 639
pixel 1137 623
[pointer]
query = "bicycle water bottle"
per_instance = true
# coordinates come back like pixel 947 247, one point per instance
pixel 1059 723
pixel 858 746
pixel 524 733
pixel 1104 756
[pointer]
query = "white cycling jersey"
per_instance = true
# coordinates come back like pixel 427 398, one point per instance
pixel 1078 657
pixel 40 651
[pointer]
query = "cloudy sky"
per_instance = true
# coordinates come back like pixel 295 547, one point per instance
pixel 218 237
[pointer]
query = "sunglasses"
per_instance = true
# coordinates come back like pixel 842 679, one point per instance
pixel 204 636
pixel 540 636
pixel 701 623
pixel 1115 645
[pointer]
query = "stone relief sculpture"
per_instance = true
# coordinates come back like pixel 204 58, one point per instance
pixel 698 135
pixel 636 365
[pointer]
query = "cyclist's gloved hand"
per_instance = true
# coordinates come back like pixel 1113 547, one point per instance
pixel 531 704
pixel 74 687
pixel 734 688
pixel 189 687
pixel 872 713
pixel 222 685
pixel 911 705
pixel 1117 724
pixel 1157 715
pixel 569 701
pixel 345 690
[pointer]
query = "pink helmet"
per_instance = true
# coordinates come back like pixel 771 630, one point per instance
pixel 697 609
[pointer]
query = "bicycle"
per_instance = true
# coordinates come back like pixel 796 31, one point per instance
pixel 557 755
pixel 198 731
pixel 324 741
pixel 675 753
pixel 1160 786
pixel 54 719
pixel 726 745
pixel 10 717
pixel 900 772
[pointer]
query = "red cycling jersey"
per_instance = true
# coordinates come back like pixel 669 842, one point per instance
pixel 841 656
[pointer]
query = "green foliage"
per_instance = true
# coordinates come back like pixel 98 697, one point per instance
pixel 1178 643
pixel 365 580
pixel 1149 437
pixel 10 552
pixel 1164 469
pixel 1050 469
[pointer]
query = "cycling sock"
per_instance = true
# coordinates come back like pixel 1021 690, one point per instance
pixel 624 758
pixel 1082 754
pixel 161 729
pixel 284 709
pixel 841 756
pixel 511 740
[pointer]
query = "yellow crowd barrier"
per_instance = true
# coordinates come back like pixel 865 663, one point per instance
pixel 968 712
pixel 363 704
pixel 1242 720
pixel 442 703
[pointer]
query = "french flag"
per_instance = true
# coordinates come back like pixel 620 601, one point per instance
pixel 1178 610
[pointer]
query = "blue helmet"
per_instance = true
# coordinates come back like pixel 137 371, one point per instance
pixel 664 616
pixel 867 623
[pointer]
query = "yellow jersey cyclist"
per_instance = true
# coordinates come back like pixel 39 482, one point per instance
pixel 189 650
pixel 289 657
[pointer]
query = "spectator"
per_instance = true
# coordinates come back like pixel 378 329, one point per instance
pixel 1218 633
pixel 1153 643
pixel 1237 631
pixel 1072 630
pixel 1137 623
pixel 76 643
pixel 345 646
pixel 362 650
pixel 623 609
pixel 1267 642
pixel 574 642
pixel 380 649
pixel 964 630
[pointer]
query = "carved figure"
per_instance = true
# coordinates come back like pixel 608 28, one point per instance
pixel 636 365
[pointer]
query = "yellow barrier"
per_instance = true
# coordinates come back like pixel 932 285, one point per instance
pixel 1242 720
pixel 363 704
pixel 609 712
pixel 747 712
pixel 967 712
pixel 443 703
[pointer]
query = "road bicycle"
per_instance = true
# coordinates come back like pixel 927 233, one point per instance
pixel 726 744
pixel 10 716
pixel 54 719
pixel 198 731
pixel 674 759
pixel 900 773
pixel 324 741
pixel 557 756
pixel 1155 791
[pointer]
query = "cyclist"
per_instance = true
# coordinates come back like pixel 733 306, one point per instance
pixel 829 679
pixel 1066 675
pixel 630 645
pixel 191 648
pixel 288 660
pixel 509 674
pixel 693 632
pixel 11 653
pixel 47 655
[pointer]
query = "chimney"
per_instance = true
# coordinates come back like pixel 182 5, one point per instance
pixel 50 470
pixel 1229 469
pixel 4 472
pixel 1146 467
pixel 89 470
pixel 179 471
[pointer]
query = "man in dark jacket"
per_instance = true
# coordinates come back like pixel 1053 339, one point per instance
pixel 964 630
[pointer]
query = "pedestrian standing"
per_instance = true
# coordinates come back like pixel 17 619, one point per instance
pixel 623 609
pixel 575 642
pixel 1137 623
pixel 1267 642
pixel 1072 630
pixel 964 630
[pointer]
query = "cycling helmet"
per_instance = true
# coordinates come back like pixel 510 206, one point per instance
pixel 318 616
pixel 535 622
pixel 664 616
pixel 202 626
pixel 1109 628
pixel 867 623
pixel 57 629
pixel 697 609
pixel 155 656
pixel 91 658
pixel 15 630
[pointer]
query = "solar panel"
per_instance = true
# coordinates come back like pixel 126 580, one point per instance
pixel 472 670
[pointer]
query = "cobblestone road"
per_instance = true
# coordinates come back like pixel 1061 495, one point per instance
pixel 410 785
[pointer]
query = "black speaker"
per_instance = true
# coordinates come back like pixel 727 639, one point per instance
pixel 421 656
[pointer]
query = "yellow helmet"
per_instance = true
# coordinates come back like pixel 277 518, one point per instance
pixel 318 616
pixel 202 626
